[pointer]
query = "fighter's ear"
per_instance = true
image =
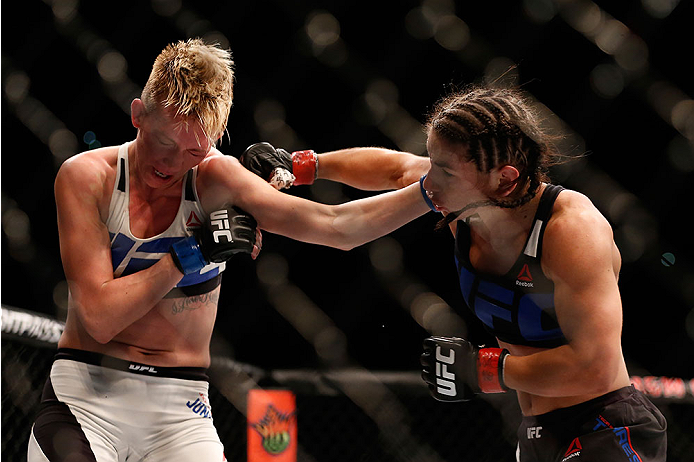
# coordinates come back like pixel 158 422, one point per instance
pixel 504 180
pixel 137 112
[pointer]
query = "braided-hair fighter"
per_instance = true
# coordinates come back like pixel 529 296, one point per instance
pixel 537 265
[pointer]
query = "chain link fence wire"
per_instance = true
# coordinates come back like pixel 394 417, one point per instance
pixel 343 415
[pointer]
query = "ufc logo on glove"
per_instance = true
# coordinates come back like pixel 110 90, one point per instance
pixel 445 380
pixel 220 219
pixel 456 370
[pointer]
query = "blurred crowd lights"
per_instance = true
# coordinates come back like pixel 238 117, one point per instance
pixel 659 8
pixel 38 118
pixel 166 7
pixel 331 345
pixel 270 119
pixel 631 61
pixel 437 19
pixel 379 104
pixel 329 342
pixel 427 308
pixel 90 140
pixel 323 32
pixel 322 28
pixel 17 228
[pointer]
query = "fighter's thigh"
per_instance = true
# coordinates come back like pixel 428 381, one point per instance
pixel 191 440
pixel 211 451
pixel 640 436
pixel 58 437
pixel 34 451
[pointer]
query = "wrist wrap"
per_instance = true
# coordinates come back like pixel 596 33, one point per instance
pixel 304 166
pixel 187 255
pixel 490 363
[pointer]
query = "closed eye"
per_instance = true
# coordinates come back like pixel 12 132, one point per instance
pixel 164 142
pixel 196 153
pixel 446 171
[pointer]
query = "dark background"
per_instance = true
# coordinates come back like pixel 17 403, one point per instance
pixel 615 102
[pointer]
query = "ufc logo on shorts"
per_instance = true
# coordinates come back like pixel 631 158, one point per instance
pixel 220 219
pixel 445 380
pixel 534 432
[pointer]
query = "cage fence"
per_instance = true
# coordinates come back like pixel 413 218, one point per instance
pixel 341 414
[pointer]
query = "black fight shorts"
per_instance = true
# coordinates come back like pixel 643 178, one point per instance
pixel 620 426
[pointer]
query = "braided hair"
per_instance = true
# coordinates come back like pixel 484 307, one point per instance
pixel 497 126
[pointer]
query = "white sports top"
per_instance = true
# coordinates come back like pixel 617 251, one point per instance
pixel 130 254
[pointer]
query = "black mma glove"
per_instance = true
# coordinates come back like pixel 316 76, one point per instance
pixel 227 231
pixel 456 370
pixel 279 167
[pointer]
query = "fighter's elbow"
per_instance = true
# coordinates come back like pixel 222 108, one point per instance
pixel 93 322
pixel 344 233
pixel 601 379
pixel 98 330
pixel 102 336
pixel 346 244
pixel 599 373
pixel 102 332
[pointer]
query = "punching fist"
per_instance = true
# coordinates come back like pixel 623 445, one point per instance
pixel 456 370
pixel 226 232
pixel 279 167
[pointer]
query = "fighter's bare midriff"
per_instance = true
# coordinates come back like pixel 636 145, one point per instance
pixel 175 333
pixel 535 405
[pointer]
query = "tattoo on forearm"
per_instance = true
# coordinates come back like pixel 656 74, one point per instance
pixel 194 302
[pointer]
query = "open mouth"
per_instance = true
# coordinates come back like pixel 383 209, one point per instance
pixel 439 207
pixel 160 175
pixel 433 201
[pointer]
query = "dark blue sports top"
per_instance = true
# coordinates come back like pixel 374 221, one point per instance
pixel 518 307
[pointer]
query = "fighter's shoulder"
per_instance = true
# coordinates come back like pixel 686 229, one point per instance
pixel 217 163
pixel 88 169
pixel 220 170
pixel 217 178
pixel 577 230
pixel 574 209
pixel 95 161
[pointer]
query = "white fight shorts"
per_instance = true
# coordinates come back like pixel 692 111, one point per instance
pixel 103 409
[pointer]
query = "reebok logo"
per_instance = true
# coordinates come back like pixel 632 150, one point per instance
pixel 524 278
pixel 573 451
pixel 193 221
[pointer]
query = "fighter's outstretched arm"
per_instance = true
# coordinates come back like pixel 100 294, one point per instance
pixel 223 179
pixel 366 168
pixel 371 168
